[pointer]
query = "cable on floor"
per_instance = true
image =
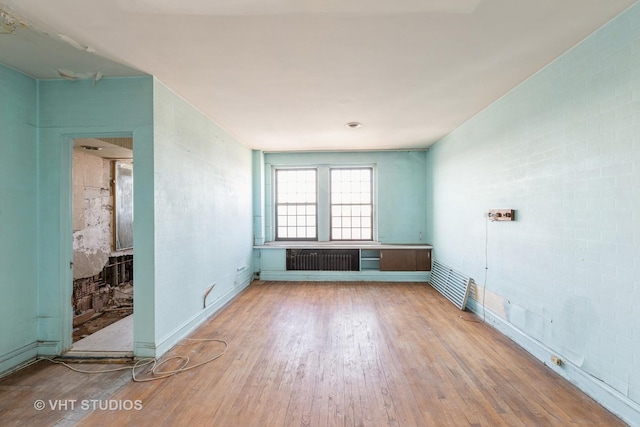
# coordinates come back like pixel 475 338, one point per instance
pixel 155 364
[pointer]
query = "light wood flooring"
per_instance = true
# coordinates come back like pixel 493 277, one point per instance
pixel 323 354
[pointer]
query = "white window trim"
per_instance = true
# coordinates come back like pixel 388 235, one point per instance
pixel 324 203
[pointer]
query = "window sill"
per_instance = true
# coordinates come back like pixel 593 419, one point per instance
pixel 281 244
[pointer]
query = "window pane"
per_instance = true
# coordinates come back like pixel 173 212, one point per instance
pixel 296 198
pixel 336 234
pixel 351 203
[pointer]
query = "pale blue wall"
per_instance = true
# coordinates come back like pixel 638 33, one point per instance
pixel 203 214
pixel 563 149
pixel 80 109
pixel 401 189
pixel 18 220
pixel 193 209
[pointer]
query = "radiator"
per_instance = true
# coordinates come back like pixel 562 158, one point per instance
pixel 453 285
pixel 337 262
pixel 323 259
pixel 308 261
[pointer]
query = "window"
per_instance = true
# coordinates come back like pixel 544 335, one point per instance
pixel 351 204
pixel 296 204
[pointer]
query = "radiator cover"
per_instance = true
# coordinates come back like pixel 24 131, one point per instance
pixel 323 259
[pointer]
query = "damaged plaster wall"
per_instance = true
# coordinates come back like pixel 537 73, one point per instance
pixel 92 214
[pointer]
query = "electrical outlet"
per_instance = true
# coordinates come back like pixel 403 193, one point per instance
pixel 502 215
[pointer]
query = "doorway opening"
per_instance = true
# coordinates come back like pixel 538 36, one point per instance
pixel 102 200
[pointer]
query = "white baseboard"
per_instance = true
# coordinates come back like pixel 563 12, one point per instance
pixel 189 326
pixel 613 400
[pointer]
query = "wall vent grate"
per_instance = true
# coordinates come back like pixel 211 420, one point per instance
pixel 453 285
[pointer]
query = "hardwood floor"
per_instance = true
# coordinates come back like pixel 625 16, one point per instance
pixel 324 354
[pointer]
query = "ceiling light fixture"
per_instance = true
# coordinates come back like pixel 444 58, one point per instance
pixel 90 148
pixel 353 125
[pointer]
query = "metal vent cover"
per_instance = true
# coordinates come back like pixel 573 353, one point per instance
pixel 452 284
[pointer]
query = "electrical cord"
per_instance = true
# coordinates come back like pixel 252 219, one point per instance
pixel 486 270
pixel 155 364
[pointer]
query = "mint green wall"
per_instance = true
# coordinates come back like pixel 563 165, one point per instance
pixel 193 209
pixel 203 216
pixel 401 189
pixel 18 221
pixel 563 149
pixel 79 109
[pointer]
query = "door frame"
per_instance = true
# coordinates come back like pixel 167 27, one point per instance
pixel 66 232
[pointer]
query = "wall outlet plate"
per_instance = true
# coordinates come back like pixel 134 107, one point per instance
pixel 502 214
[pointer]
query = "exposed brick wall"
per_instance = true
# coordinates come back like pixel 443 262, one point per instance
pixel 97 292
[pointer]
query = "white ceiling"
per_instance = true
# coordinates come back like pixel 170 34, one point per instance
pixel 288 74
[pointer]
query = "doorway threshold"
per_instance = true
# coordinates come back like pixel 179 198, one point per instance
pixel 114 341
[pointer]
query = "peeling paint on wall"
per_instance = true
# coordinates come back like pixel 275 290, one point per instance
pixel 92 214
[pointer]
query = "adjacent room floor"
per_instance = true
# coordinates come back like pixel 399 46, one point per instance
pixel 319 354
pixel 115 340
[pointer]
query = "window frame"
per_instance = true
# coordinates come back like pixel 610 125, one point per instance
pixel 323 214
pixel 371 203
pixel 276 204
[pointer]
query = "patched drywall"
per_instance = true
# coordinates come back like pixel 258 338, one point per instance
pixel 92 214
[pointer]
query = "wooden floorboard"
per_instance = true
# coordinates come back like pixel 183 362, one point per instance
pixel 324 354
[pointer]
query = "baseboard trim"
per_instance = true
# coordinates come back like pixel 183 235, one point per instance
pixel 190 325
pixel 611 399
pixel 18 359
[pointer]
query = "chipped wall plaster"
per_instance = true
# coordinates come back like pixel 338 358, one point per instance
pixel 92 214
